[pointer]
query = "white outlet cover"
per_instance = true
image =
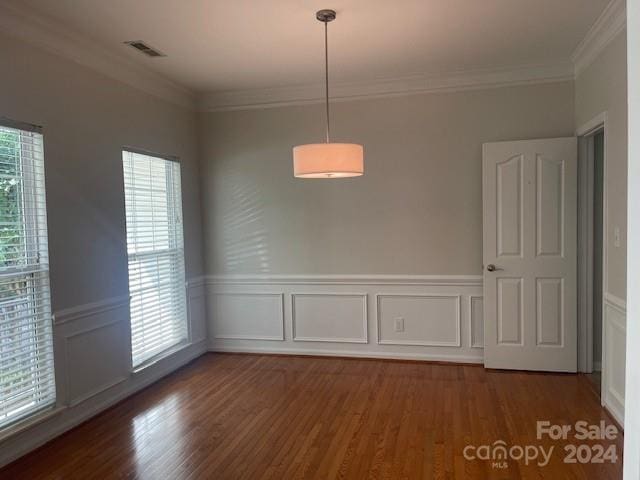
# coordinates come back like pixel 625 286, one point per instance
pixel 398 324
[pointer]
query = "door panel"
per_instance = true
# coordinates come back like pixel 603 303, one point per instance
pixel 550 208
pixel 510 311
pixel 549 313
pixel 529 235
pixel 509 206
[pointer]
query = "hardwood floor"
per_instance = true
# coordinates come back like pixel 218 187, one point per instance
pixel 277 417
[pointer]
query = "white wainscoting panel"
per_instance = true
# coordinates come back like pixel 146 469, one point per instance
pixel 247 315
pixel 476 319
pixel 348 315
pixel 614 357
pixel 428 320
pixel 196 310
pixel 97 358
pixel 329 317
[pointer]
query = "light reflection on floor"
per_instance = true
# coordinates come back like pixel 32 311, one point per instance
pixel 159 437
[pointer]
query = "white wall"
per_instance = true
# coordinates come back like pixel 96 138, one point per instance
pixel 632 417
pixel 87 119
pixel 602 87
pixel 360 252
pixel 417 209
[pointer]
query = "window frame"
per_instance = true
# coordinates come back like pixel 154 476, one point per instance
pixel 36 275
pixel 186 341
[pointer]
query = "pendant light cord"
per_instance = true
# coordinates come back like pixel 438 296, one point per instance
pixel 326 75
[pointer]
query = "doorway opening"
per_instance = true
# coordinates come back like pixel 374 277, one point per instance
pixel 591 250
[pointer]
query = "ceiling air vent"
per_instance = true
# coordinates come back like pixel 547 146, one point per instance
pixel 144 48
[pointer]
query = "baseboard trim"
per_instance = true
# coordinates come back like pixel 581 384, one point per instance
pixel 616 415
pixel 453 359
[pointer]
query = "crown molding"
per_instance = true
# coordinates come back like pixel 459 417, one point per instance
pixel 417 84
pixel 608 25
pixel 18 21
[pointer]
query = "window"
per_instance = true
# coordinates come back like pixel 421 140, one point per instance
pixel 156 254
pixel 27 379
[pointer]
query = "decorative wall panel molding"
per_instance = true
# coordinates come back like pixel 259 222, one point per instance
pixel 247 315
pixel 427 320
pixel 329 317
pixel 96 359
pixel 476 321
pixel 196 309
pixel 349 315
pixel 614 357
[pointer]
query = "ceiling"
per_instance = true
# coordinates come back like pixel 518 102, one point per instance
pixel 223 45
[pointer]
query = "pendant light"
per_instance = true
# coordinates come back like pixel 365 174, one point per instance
pixel 328 160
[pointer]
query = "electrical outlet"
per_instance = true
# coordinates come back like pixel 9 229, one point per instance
pixel 616 237
pixel 398 324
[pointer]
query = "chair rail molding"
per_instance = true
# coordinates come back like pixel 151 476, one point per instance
pixel 89 309
pixel 353 279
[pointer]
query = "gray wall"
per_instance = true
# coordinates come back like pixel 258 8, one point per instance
pixel 87 119
pixel 417 209
pixel 603 87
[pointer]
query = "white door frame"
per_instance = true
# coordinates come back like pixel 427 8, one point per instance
pixel 632 380
pixel 585 135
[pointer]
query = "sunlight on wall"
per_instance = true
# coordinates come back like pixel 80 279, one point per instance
pixel 245 242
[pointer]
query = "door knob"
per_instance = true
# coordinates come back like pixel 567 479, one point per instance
pixel 492 268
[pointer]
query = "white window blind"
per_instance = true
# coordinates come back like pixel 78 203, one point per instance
pixel 27 379
pixel 156 254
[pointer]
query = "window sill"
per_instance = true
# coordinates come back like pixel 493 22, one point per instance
pixel 29 422
pixel 161 356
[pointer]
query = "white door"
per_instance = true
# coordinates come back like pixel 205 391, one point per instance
pixel 529 191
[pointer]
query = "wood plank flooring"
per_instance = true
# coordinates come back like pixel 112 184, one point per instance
pixel 229 416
